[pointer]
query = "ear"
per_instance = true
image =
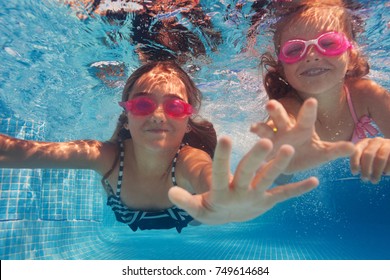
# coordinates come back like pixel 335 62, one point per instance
pixel 188 128
pixel 126 126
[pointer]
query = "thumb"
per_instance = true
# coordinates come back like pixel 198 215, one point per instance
pixel 355 158
pixel 184 200
pixel 340 149
pixel 262 130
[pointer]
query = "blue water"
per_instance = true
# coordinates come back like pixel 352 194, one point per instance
pixel 48 91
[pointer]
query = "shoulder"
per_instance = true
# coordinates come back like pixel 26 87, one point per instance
pixel 372 100
pixel 109 150
pixel 105 154
pixel 189 154
pixel 367 93
pixel 365 88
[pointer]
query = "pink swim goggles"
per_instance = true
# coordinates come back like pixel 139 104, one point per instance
pixel 143 106
pixel 330 44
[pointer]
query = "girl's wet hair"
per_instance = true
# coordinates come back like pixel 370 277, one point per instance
pixel 202 134
pixel 341 13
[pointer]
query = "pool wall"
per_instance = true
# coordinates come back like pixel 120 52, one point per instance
pixel 44 206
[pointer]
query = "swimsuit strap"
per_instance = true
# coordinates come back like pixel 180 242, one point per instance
pixel 363 126
pixel 350 105
pixel 120 174
pixel 121 164
pixel 173 175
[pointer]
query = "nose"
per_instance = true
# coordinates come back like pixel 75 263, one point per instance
pixel 312 54
pixel 158 116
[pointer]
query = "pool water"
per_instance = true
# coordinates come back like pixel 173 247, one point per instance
pixel 49 91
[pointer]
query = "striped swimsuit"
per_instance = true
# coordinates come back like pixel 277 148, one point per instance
pixel 172 217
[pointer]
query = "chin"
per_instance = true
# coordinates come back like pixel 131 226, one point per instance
pixel 163 144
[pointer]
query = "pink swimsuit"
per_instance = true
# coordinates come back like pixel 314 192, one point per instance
pixel 364 126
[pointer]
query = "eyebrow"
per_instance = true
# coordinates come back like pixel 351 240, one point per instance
pixel 170 95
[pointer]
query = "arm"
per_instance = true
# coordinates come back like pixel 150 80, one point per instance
pixel 246 195
pixel 80 154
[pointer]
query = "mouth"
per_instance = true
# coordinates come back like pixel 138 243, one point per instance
pixel 312 72
pixel 157 130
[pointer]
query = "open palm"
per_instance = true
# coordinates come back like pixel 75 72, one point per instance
pixel 246 195
pixel 310 150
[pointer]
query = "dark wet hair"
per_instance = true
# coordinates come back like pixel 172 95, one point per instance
pixel 275 84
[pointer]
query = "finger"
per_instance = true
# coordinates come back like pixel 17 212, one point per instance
pixel 355 158
pixel 247 167
pixel 307 115
pixel 339 149
pixel 221 164
pixel 387 168
pixel 273 169
pixel 278 114
pixel 285 192
pixel 367 159
pixel 263 130
pixel 186 201
pixel 380 162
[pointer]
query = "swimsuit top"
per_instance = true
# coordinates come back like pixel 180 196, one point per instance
pixel 364 126
pixel 172 217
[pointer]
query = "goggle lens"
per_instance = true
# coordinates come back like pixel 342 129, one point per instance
pixel 333 42
pixel 143 106
pixel 330 44
pixel 293 50
pixel 176 108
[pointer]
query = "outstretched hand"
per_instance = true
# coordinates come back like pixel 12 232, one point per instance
pixel 371 158
pixel 247 194
pixel 310 150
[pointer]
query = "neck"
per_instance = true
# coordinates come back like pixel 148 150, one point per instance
pixel 331 102
pixel 151 161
